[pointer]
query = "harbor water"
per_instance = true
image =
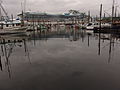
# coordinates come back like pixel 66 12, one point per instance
pixel 58 62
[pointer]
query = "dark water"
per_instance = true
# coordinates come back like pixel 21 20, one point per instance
pixel 89 63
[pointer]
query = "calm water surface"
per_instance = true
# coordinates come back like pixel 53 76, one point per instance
pixel 60 64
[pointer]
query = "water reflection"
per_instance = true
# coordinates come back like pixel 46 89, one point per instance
pixel 70 33
pixel 6 52
pixel 26 50
pixel 1 64
pixel 7 47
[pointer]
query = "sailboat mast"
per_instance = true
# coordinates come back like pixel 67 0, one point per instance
pixel 116 11
pixel 0 14
pixel 113 7
pixel 24 5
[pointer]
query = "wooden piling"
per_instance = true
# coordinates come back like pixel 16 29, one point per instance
pixel 99 44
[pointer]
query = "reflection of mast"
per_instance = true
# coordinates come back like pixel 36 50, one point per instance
pixel 1 63
pixel 34 29
pixel 9 70
pixel 82 35
pixel 26 50
pixel 88 39
pixel 99 45
pixel 7 55
pixel 2 50
pixel 5 52
pixel 110 49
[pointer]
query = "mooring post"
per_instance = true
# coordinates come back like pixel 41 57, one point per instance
pixel 99 44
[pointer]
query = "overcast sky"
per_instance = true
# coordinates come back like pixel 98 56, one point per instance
pixel 58 6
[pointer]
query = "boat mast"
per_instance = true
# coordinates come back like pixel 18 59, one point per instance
pixel 113 7
pixel 89 16
pixel 22 15
pixel 24 5
pixel 2 8
pixel 0 15
pixel 116 11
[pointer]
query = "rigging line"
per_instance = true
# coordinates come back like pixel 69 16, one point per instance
pixel 107 13
pixel 108 9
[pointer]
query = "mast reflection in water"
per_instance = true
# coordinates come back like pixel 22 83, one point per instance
pixel 69 59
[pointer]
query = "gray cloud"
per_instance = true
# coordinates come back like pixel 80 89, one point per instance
pixel 57 6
